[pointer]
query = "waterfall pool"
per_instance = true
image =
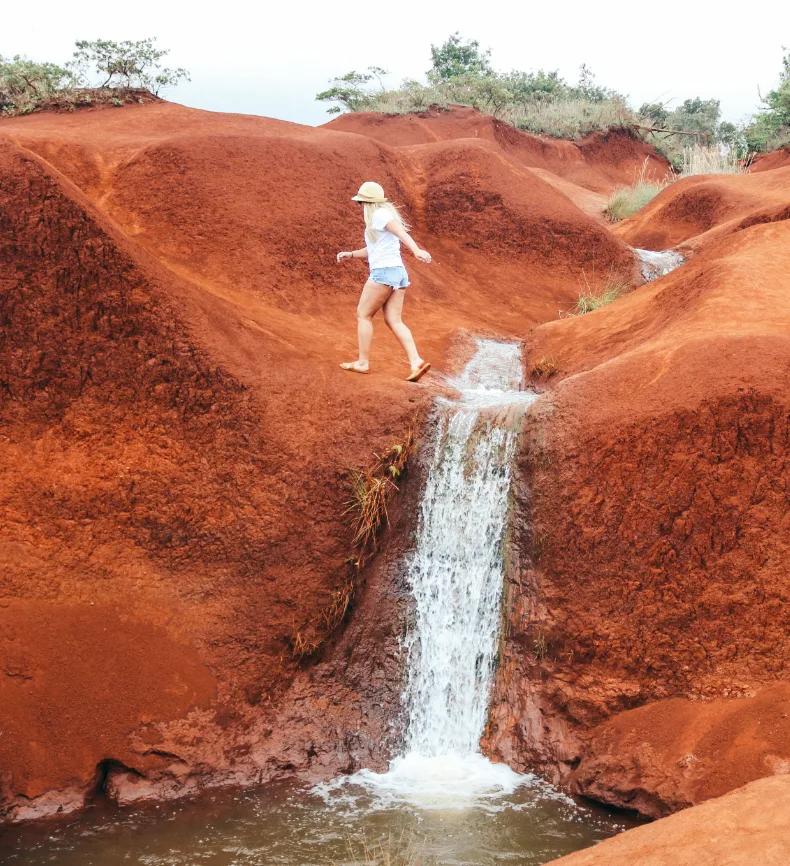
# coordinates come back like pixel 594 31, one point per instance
pixel 287 825
pixel 441 798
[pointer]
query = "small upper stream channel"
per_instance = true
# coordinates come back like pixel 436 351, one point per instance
pixel 440 795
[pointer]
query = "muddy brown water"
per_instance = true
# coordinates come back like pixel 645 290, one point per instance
pixel 291 826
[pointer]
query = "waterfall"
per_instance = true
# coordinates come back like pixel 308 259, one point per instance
pixel 456 578
pixel 456 572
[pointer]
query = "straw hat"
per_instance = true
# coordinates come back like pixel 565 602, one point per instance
pixel 370 192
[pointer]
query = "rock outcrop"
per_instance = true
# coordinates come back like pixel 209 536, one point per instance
pixel 747 827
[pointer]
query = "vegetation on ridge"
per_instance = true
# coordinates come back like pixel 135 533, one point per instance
pixel 543 102
pixel 100 71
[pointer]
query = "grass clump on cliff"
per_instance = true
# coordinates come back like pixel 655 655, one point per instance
pixel 597 293
pixel 628 200
pixel 369 492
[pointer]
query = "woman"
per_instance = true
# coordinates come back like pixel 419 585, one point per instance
pixel 384 231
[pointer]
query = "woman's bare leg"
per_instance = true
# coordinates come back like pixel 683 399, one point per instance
pixel 393 309
pixel 373 297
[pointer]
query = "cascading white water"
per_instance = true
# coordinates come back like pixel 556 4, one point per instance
pixel 456 577
pixel 655 264
pixel 456 572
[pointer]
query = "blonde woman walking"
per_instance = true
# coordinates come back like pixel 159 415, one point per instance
pixel 384 231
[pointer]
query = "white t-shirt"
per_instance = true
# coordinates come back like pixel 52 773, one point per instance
pixel 385 253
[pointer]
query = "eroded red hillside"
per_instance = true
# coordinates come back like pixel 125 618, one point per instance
pixel 654 539
pixel 176 436
pixel 176 432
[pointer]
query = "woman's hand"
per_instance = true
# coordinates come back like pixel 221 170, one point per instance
pixel 342 256
pixel 422 256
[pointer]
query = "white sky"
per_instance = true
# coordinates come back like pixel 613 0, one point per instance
pixel 271 58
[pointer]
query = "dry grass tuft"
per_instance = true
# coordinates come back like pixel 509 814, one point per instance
pixel 628 200
pixel 545 367
pixel 704 159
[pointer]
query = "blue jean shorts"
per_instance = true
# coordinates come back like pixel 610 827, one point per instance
pixel 395 277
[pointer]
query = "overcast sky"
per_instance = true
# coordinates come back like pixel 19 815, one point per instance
pixel 271 58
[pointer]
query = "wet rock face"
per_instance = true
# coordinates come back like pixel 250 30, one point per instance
pixel 644 588
pixel 648 574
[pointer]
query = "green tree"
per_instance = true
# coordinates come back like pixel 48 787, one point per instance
pixel 589 90
pixel 455 58
pixel 654 113
pixel 541 86
pixel 125 64
pixel 352 91
pixel 770 127
pixel 696 115
pixel 24 84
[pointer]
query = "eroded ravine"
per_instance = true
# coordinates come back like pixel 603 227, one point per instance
pixel 455 575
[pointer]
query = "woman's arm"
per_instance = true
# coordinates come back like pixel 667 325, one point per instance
pixel 354 254
pixel 397 229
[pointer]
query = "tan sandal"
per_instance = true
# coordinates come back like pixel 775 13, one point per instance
pixel 417 374
pixel 351 366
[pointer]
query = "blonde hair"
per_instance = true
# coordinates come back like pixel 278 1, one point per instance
pixel 370 207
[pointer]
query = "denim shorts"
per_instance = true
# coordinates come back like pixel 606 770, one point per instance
pixel 395 277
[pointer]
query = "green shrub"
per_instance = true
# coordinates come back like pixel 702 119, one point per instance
pixel 628 200
pixel 125 64
pixel 25 84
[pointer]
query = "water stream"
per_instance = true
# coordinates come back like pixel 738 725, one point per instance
pixel 456 578
pixel 655 264
pixel 441 796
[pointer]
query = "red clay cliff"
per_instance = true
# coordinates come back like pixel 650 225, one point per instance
pixel 176 436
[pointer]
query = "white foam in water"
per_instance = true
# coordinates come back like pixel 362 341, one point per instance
pixel 658 264
pixel 456 577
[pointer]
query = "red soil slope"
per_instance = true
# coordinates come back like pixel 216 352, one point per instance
pixel 176 431
pixel 775 159
pixel 598 163
pixel 698 210
pixel 654 548
pixel 748 827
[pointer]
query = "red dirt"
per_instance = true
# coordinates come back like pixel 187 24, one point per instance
pixel 749 827
pixel 599 163
pixel 696 211
pixel 687 751
pixel 654 539
pixel 775 159
pixel 176 431
pixel 175 436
